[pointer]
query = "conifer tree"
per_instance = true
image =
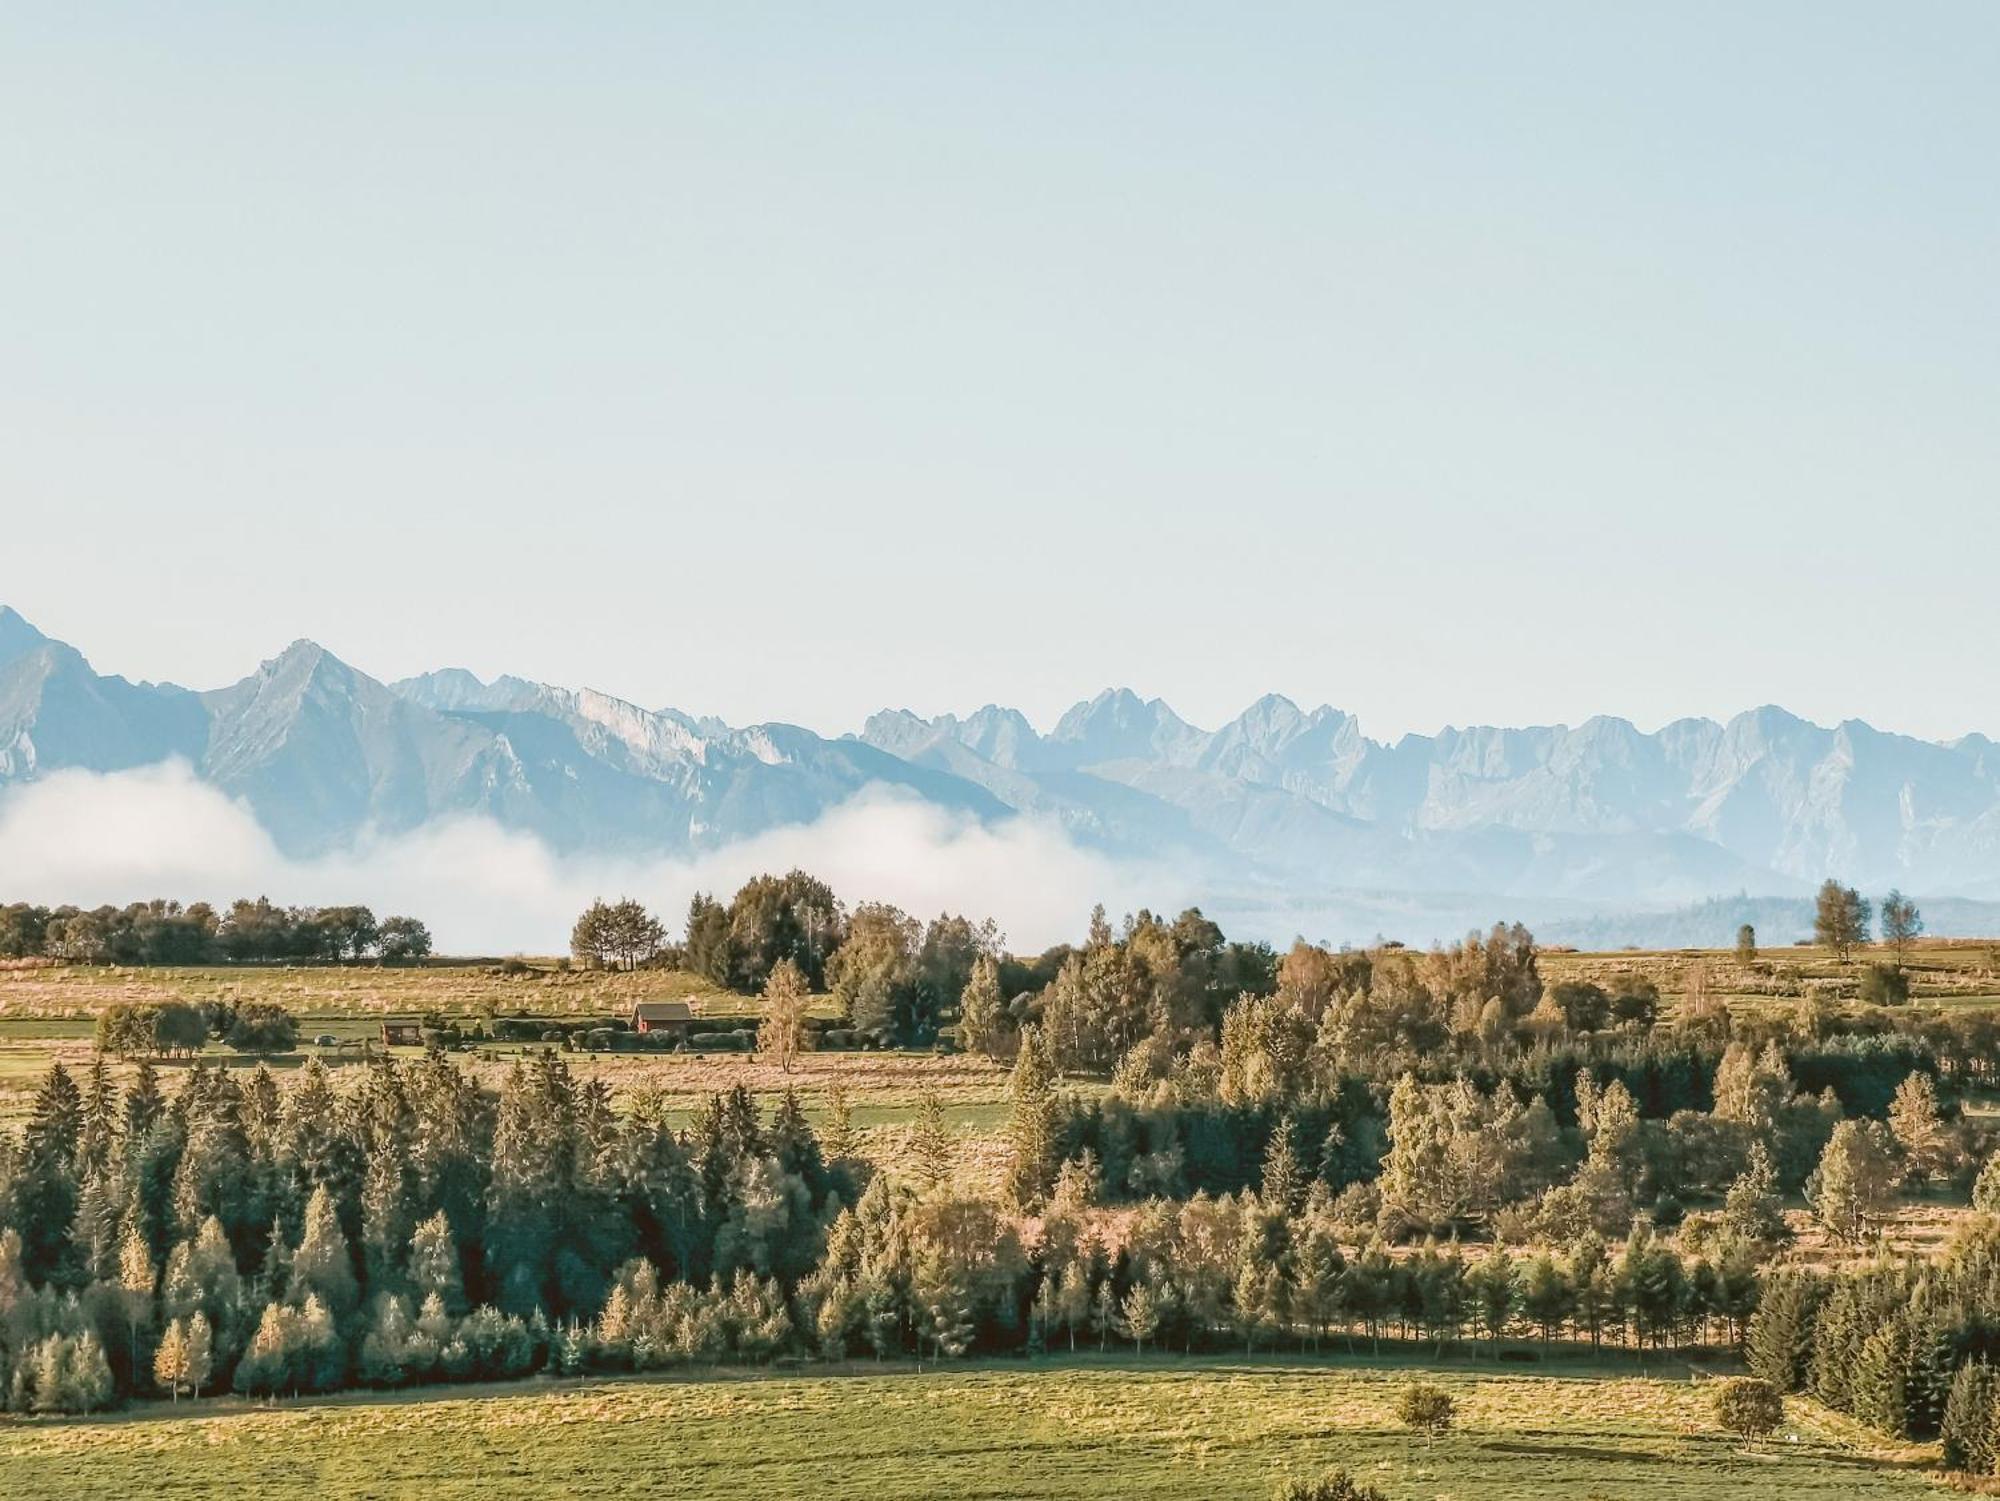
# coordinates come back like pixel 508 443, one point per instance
pixel 1031 1129
pixel 838 1137
pixel 1140 1316
pixel 434 1264
pixel 1284 1174
pixel 322 1267
pixel 1967 1431
pixel 1781 1337
pixel 933 1154
pixel 1879 1387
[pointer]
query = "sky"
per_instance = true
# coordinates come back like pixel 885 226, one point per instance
pixel 1447 363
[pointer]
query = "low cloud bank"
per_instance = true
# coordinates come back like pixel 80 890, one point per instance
pixel 93 838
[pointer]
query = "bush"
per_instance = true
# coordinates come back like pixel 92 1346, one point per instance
pixel 1748 1407
pixel 1425 1408
pixel 261 1027
pixel 1333 1485
pixel 1884 985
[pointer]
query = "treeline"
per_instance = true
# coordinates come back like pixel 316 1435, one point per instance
pixel 410 1228
pixel 248 932
pixel 900 979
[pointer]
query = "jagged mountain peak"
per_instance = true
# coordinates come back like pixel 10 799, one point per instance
pixel 17 636
pixel 1279 798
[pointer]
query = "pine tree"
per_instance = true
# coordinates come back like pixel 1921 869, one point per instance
pixel 1752 1209
pixel 1781 1337
pixel 1031 1126
pixel 1284 1174
pixel 839 1138
pixel 267 1364
pixel 933 1153
pixel 1879 1389
pixel 434 1264
pixel 322 1266
pixel 1967 1432
pixel 1140 1316
pixel 385 1215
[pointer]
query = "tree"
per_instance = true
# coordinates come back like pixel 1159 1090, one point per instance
pixel 1141 1315
pixel 1967 1431
pixel 170 1360
pixel 402 939
pixel 137 1277
pixel 1902 924
pixel 838 1137
pixel 1747 1407
pixel 1840 919
pixel 1284 1175
pixel 982 1015
pixel 1752 1210
pixel 1918 1127
pixel 1851 1186
pixel 1033 1151
pixel 932 1152
pixel 782 1034
pixel 620 935
pixel 1426 1408
pixel 874 975
pixel 185 1357
pixel 434 1269
pixel 322 1266
pixel 1746 944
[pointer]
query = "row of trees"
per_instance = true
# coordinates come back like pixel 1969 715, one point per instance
pixel 248 932
pixel 895 978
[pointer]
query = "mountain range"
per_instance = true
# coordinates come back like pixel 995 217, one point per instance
pixel 1280 811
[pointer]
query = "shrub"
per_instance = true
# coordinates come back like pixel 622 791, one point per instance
pixel 1884 985
pixel 1425 1408
pixel 262 1027
pixel 1748 1407
pixel 1333 1485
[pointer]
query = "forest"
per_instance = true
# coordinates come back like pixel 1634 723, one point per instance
pixel 1208 1146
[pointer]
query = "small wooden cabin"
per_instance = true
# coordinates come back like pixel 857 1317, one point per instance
pixel 671 1017
pixel 403 1032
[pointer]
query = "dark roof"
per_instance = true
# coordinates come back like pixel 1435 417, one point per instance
pixel 663 1011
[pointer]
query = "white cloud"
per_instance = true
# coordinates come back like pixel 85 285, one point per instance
pixel 91 838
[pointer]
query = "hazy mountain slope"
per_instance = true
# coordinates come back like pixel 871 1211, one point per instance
pixel 1279 809
pixel 57 713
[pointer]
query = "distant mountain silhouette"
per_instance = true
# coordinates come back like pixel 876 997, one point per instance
pixel 1278 807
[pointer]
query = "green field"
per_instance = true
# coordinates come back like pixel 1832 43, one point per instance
pixel 1081 1428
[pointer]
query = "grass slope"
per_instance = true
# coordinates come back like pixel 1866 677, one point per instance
pixel 1084 1428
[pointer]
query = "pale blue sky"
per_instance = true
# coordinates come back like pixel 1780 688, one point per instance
pixel 1445 362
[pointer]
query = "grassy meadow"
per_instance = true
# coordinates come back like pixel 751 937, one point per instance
pixel 1084 1427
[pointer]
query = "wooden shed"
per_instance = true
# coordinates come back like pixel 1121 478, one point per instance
pixel 662 1016
pixel 402 1032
